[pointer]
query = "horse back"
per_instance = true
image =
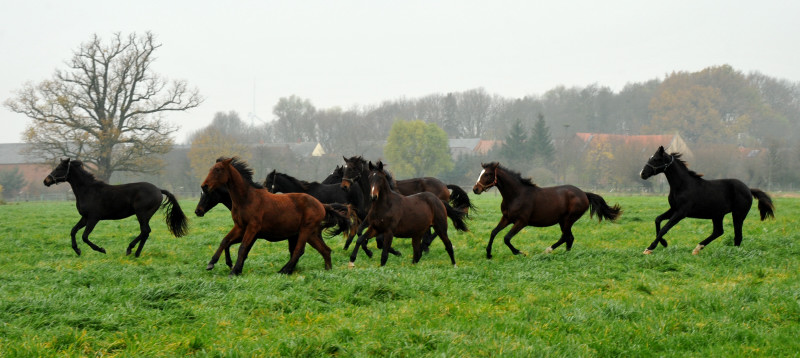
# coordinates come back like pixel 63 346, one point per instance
pixel 546 206
pixel 425 184
pixel 713 198
pixel 113 202
pixel 280 214
pixel 419 211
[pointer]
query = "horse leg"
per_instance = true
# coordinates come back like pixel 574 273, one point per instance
pixel 364 224
pixel 738 222
pixel 235 235
pixel 89 227
pixel 566 237
pixel 316 242
pixel 144 227
pixel 302 237
pixel 387 244
pixel 519 225
pixel 228 260
pixel 361 239
pixel 714 234
pixel 673 220
pixel 292 244
pixel 248 239
pixel 500 226
pixel 416 242
pixel 427 239
pixel 666 215
pixel 81 223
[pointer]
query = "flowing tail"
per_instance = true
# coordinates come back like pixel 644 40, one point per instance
pixel 765 206
pixel 337 215
pixel 177 222
pixel 459 199
pixel 599 207
pixel 457 216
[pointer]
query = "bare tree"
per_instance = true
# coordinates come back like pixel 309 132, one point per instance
pixel 106 109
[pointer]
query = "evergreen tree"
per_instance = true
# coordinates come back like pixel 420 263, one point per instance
pixel 540 142
pixel 514 152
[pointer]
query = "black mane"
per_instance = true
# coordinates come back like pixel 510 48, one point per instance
pixel 677 157
pixel 516 175
pixel 244 169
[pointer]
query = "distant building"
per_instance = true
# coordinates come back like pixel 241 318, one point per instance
pixel 12 157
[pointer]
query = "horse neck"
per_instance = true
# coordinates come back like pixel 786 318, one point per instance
pixel 238 188
pixel 678 175
pixel 79 180
pixel 507 185
pixel 287 185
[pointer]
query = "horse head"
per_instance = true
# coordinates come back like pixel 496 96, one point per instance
pixel 377 180
pixel 218 176
pixel 354 168
pixel 658 163
pixel 61 172
pixel 487 178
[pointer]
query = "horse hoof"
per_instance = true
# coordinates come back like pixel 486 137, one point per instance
pixel 102 250
pixel 647 252
pixel 455 266
pixel 488 256
pixel 697 249
pixel 210 267
pixel 351 264
pixel 128 252
pixel 548 250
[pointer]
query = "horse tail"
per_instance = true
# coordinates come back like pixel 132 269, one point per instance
pixel 457 216
pixel 337 215
pixel 177 222
pixel 599 207
pixel 765 206
pixel 459 199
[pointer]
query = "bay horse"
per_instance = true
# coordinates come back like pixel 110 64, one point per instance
pixel 277 182
pixel 395 215
pixel 694 197
pixel 526 204
pixel 356 171
pixel 257 212
pixel 210 199
pixel 97 201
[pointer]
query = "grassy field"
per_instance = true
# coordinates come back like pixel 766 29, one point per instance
pixel 604 298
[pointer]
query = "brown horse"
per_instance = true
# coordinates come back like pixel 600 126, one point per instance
pixel 526 204
pixel 259 213
pixel 393 214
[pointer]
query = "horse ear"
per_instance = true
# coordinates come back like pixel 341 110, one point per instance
pixel 371 167
pixel 380 165
pixel 661 149
pixel 227 161
pixel 345 159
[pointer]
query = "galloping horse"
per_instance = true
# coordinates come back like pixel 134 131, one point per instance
pixel 356 171
pixel 97 201
pixel 257 212
pixel 326 193
pixel 527 204
pixel 393 214
pixel 694 197
pixel 208 200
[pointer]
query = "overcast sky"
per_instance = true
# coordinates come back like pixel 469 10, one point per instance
pixel 245 55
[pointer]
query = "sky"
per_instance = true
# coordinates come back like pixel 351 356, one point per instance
pixel 244 56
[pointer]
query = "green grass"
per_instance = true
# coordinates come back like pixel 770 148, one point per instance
pixel 604 298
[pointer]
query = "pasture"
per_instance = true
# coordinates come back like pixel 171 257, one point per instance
pixel 603 298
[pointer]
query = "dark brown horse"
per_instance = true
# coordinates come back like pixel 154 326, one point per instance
pixel 526 204
pixel 694 197
pixel 97 201
pixel 259 213
pixel 396 215
pixel 356 171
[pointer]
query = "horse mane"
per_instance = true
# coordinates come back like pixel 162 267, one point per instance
pixel 692 173
pixel 304 185
pixel 515 174
pixel 244 170
pixel 84 174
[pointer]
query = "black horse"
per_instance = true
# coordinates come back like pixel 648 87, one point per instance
pixel 210 199
pixel 97 201
pixel 694 197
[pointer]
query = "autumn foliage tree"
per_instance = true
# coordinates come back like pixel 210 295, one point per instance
pixel 416 149
pixel 106 109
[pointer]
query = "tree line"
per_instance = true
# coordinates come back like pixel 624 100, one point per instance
pixel 107 108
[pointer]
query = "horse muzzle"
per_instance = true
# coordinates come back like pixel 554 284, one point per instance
pixel 477 189
pixel 48 181
pixel 645 173
pixel 199 212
